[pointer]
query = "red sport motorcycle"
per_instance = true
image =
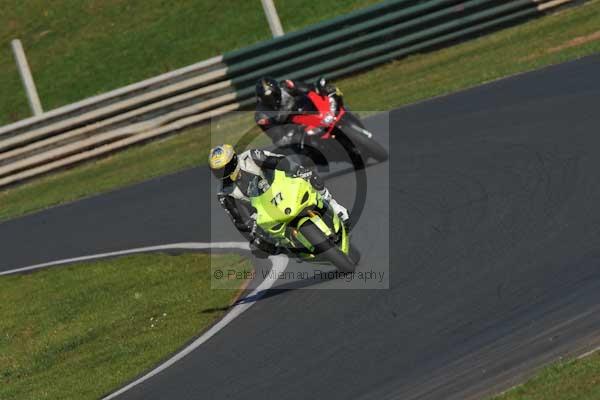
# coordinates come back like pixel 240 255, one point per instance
pixel 327 125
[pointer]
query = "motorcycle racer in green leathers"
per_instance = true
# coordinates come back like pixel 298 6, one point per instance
pixel 244 174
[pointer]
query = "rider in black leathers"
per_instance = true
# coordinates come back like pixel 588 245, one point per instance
pixel 277 101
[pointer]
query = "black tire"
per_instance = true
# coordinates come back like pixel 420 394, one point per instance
pixel 325 249
pixel 368 147
pixel 354 254
pixel 377 151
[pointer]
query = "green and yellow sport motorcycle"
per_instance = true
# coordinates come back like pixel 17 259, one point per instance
pixel 294 216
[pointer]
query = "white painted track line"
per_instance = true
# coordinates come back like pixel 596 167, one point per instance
pixel 279 264
pixel 174 246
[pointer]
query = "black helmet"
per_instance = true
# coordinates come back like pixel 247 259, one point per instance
pixel 268 92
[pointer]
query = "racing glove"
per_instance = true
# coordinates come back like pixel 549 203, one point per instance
pixel 308 175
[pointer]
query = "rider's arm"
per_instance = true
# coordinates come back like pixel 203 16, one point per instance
pixel 266 118
pixel 260 244
pixel 333 92
pixel 296 88
pixel 241 218
pixel 268 160
pixel 321 86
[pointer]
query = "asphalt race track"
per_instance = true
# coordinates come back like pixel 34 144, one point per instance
pixel 493 253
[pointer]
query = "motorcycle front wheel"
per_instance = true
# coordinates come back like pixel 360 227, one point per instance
pixel 366 146
pixel 325 249
pixel 354 129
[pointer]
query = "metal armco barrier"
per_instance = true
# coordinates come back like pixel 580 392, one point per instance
pixel 192 95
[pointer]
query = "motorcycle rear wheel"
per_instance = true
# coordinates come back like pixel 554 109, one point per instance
pixel 325 249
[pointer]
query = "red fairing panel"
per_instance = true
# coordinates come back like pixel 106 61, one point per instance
pixel 315 120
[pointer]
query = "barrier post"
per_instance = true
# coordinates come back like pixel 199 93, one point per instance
pixel 28 83
pixel 272 17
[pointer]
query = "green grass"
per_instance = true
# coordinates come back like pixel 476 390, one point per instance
pixel 538 43
pixel 81 331
pixel 80 48
pixel 526 47
pixel 571 380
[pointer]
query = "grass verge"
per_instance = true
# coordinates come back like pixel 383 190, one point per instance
pixel 563 36
pixel 80 48
pixel 81 331
pixel 570 380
